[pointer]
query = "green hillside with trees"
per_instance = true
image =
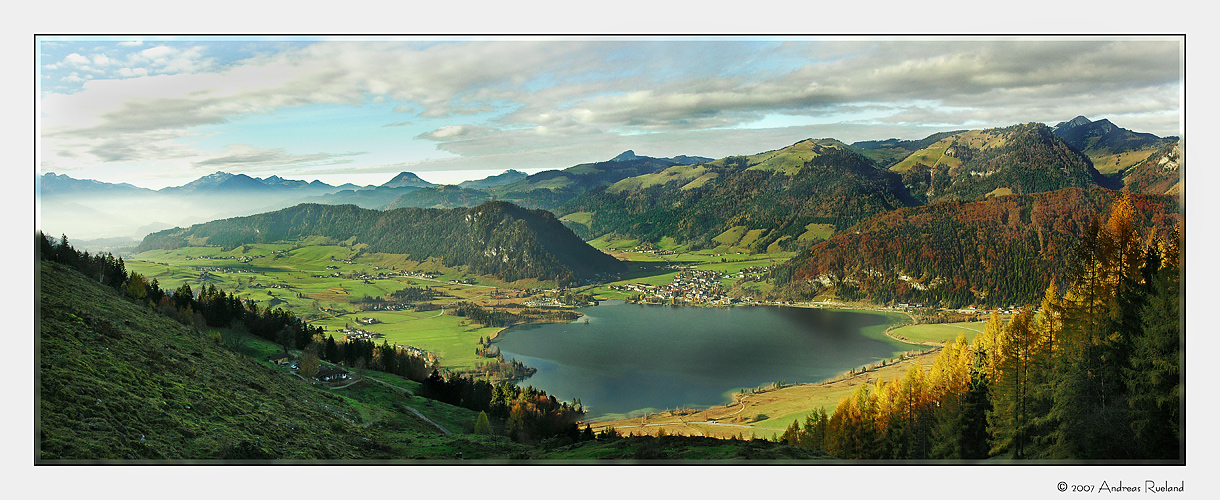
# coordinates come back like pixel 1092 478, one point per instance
pixel 1020 159
pixel 495 238
pixel 835 186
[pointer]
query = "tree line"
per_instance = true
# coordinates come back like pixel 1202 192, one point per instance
pixel 529 414
pixel 1092 373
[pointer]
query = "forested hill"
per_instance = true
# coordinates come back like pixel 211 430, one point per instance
pixel 495 238
pixel 1020 159
pixel 551 188
pixel 999 251
pixel 778 192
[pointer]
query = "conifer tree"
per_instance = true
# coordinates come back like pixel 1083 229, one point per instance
pixel 1154 379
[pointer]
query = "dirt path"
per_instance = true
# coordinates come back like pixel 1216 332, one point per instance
pixel 403 390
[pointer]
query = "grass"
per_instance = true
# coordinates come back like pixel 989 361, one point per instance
pixel 1109 164
pixel 931 156
pixel 939 333
pixel 689 176
pixel 817 231
pixel 584 218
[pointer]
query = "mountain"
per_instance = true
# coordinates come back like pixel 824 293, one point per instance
pixel 495 238
pixel 1160 173
pixel 376 197
pixel 407 179
pixel 508 177
pixel 220 182
pixel 772 198
pixel 1101 138
pixel 630 155
pixel 1020 159
pixel 551 188
pixel 999 251
pixel 891 151
pixel 440 197
pixel 50 184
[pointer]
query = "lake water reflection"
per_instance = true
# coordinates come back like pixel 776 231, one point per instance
pixel 630 357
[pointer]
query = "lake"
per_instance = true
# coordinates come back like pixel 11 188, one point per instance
pixel 632 358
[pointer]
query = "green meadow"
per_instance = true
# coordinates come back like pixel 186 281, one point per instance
pixel 940 332
pixel 302 279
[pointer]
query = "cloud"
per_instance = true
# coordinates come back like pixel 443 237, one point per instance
pixel 546 100
pixel 247 158
pixel 132 72
pixel 455 132
pixel 131 43
pixel 76 59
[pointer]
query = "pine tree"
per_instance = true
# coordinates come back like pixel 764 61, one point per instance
pixel 1154 379
pixel 482 424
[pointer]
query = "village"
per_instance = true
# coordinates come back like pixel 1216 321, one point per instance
pixel 691 286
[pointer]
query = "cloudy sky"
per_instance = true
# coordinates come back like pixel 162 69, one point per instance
pixel 162 111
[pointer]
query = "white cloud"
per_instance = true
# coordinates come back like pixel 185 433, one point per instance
pixel 101 60
pixel 248 158
pixel 131 43
pixel 455 132
pixel 76 59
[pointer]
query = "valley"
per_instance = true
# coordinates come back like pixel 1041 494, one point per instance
pixel 891 260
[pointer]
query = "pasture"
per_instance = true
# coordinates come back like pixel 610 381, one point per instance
pixel 938 333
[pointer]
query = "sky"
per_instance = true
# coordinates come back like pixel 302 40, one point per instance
pixel 163 111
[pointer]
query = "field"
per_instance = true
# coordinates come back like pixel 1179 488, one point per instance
pixel 324 283
pixel 938 333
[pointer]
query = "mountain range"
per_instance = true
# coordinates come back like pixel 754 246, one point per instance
pixel 696 200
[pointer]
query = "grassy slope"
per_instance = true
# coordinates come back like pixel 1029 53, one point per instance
pixel 118 381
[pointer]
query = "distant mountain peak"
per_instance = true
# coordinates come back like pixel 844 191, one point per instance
pixel 1074 122
pixel 407 179
pixel 627 155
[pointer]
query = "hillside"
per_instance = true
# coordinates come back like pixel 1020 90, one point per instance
pixel 1160 173
pixel 779 193
pixel 440 197
pixel 495 238
pixel 891 151
pixel 508 177
pixel 999 251
pixel 1020 159
pixel 118 380
pixel 551 188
